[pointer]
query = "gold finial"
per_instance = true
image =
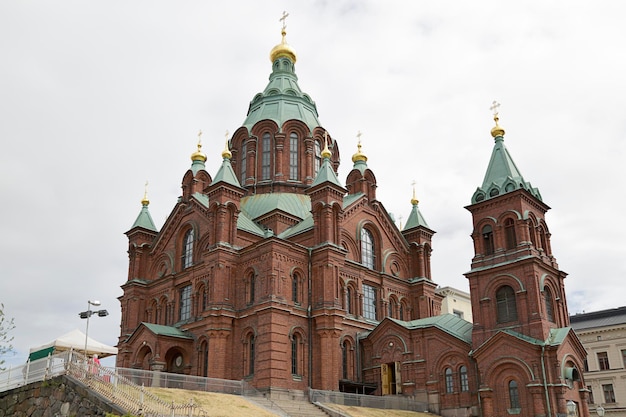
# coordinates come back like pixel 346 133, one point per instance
pixel 283 49
pixel 359 156
pixel 198 155
pixel 414 200
pixel 326 152
pixel 496 131
pixel 226 153
pixel 144 200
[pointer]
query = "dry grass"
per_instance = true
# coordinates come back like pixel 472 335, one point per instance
pixel 216 405
pixel 374 412
pixel 227 405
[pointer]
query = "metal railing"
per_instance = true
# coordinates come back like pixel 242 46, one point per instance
pixel 106 382
pixel 372 401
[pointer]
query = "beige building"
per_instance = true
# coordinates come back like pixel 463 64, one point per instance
pixel 603 334
pixel 455 302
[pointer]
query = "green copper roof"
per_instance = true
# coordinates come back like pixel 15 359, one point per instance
pixel 171 331
pixel 246 224
pixel 415 219
pixel 144 219
pixel 449 323
pixel 502 175
pixel 297 205
pixel 196 166
pixel 282 99
pixel 226 174
pixel 326 173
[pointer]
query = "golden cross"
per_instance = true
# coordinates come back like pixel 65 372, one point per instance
pixel 283 19
pixel 358 135
pixel 494 107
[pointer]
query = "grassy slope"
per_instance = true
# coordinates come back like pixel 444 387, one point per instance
pixel 226 405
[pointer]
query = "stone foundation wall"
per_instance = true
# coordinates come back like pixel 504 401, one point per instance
pixel 56 397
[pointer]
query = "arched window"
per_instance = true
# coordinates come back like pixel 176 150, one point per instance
pixel 367 248
pixel 547 299
pixel 187 255
pixel 185 303
pixel 349 304
pixel 449 381
pixel 513 394
pixel 344 360
pixel 318 156
pixel 401 311
pixel 294 288
pixel 509 234
pixel 543 239
pixel 487 234
pixel 265 156
pixel 244 161
pixel 463 380
pixel 532 232
pixel 205 358
pixel 250 354
pixel 295 344
pixel 392 307
pixel 293 156
pixel 506 304
pixel 369 302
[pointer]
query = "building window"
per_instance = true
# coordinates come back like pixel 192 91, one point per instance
pixel 513 395
pixel 294 355
pixel 293 156
pixel 401 311
pixel 344 360
pixel 609 394
pixel 369 302
pixel 367 248
pixel 603 361
pixel 244 161
pixel 464 382
pixel 449 381
pixel 185 303
pixel 318 156
pixel 458 313
pixel 624 357
pixel 294 288
pixel 591 400
pixel 250 354
pixel 265 157
pixel 509 234
pixel 205 359
pixel 187 255
pixel 547 298
pixel 507 307
pixel 349 296
pixel 391 308
pixel 487 234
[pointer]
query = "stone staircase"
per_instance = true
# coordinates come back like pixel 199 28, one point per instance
pixel 291 407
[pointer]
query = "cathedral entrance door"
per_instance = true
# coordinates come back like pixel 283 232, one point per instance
pixel 391 378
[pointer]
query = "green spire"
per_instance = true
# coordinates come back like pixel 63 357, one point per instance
pixel 144 220
pixel 282 99
pixel 225 173
pixel 415 218
pixel 502 174
pixel 326 172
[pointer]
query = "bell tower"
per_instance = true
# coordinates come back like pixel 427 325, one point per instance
pixel 515 282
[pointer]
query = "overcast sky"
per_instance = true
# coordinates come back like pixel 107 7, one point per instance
pixel 96 97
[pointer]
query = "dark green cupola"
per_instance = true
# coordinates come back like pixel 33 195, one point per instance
pixel 282 99
pixel 502 174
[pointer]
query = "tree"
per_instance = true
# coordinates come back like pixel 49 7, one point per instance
pixel 6 325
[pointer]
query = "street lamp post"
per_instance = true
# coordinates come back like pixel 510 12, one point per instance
pixel 87 314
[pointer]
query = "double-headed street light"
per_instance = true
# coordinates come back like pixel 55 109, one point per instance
pixel 87 314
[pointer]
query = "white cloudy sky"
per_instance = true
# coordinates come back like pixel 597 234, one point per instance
pixel 96 97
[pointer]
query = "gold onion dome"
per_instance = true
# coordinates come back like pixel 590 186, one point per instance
pixel 144 200
pixel 198 155
pixel 283 50
pixel 226 153
pixel 359 156
pixel 497 130
pixel 414 200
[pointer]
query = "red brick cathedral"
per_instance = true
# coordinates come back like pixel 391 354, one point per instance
pixel 275 272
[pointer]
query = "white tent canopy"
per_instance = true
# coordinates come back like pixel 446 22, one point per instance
pixel 74 340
